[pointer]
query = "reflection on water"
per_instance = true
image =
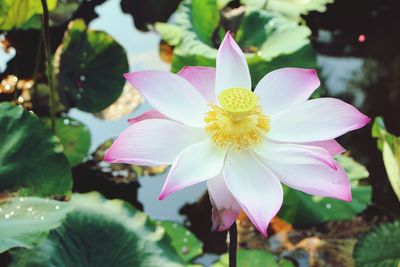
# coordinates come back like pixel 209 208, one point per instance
pixel 142 50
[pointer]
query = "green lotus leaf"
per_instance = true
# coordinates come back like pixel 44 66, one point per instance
pixel 185 243
pixel 15 13
pixel 379 247
pixel 89 66
pixel 277 35
pixel 75 138
pixel 25 221
pixel 100 232
pixel 63 12
pixel 32 161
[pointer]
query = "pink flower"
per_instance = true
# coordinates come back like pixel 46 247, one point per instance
pixel 211 127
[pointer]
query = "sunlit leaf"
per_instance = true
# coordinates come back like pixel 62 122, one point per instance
pixel 390 147
pixel 253 258
pixel 25 221
pixel 186 244
pixel 32 161
pixel 380 247
pixel 89 66
pixel 14 13
pixel 100 232
pixel 301 209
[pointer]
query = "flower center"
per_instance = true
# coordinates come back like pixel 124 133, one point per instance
pixel 240 123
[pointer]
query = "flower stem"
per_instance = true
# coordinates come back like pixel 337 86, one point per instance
pixel 232 245
pixel 46 37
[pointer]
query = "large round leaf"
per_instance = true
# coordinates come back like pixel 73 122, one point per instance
pixel 100 232
pixel 89 65
pixel 380 247
pixel 75 138
pixel 31 157
pixel 302 210
pixel 25 221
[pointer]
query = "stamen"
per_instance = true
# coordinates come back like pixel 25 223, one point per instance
pixel 239 123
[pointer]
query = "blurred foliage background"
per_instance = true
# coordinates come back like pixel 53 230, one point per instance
pixel 56 193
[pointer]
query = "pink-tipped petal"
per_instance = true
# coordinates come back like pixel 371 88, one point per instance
pixel 316 120
pixel 332 146
pixel 232 69
pixel 225 209
pixel 153 142
pixel 150 114
pixel 294 153
pixel 286 87
pixel 256 188
pixel 315 180
pixel 171 95
pixel 306 171
pixel 195 164
pixel 203 79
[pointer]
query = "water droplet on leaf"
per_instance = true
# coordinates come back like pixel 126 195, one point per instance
pixel 184 250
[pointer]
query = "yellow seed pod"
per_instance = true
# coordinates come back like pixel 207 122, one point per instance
pixel 237 100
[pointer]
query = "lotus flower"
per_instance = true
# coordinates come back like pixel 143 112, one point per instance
pixel 211 127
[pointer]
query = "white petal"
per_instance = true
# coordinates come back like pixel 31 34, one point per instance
pixel 294 153
pixel 316 120
pixel 232 69
pixel 256 188
pixel 153 142
pixel 305 168
pixel 332 146
pixel 171 95
pixel 203 79
pixel 286 87
pixel 195 164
